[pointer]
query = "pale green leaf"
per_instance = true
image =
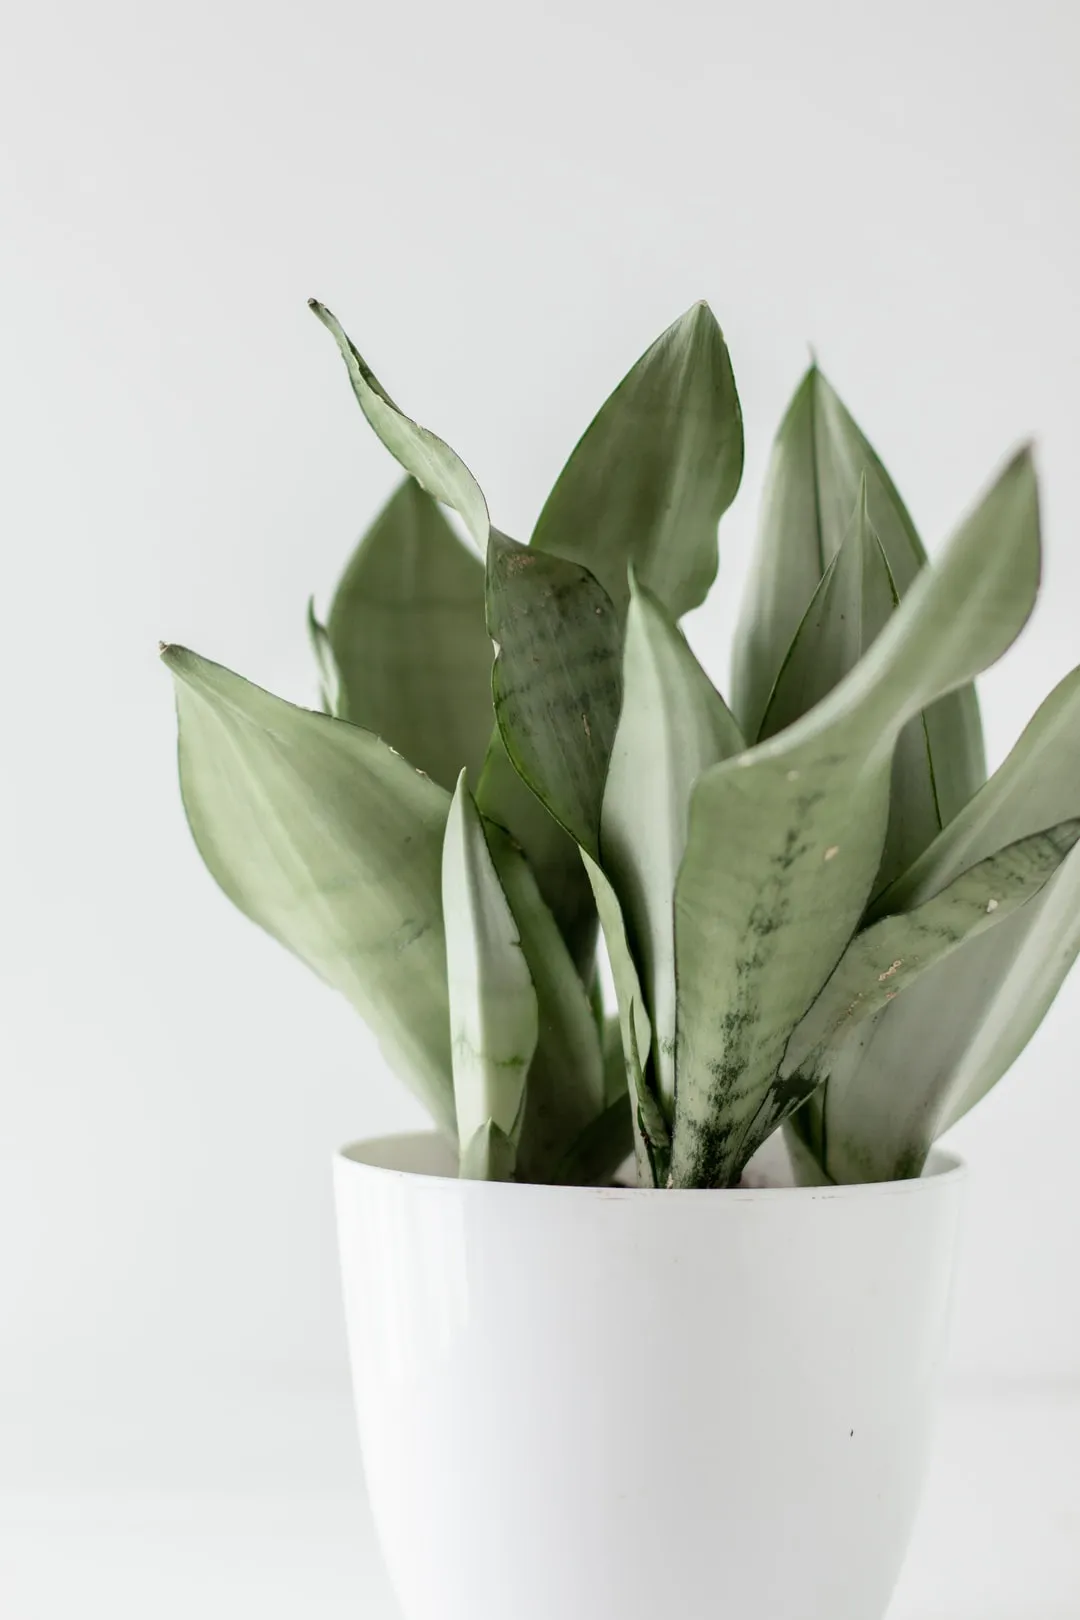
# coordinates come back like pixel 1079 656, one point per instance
pixel 442 473
pixel 557 681
pixel 433 464
pixel 488 1155
pixel 785 840
pixel 982 1005
pixel 493 1007
pixel 887 958
pixel 330 841
pixel 651 1136
pixel 672 726
pixel 851 606
pixel 819 459
pixel 330 695
pixel 654 473
pixel 409 638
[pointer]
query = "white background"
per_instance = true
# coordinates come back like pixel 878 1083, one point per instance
pixel 505 204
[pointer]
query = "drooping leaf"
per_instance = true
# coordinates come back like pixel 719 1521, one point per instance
pixel 784 841
pixel 886 959
pixel 330 841
pixel 408 635
pixel 818 461
pixel 672 726
pixel 488 1155
pixel 557 681
pixel 651 1135
pixel 494 1021
pixel 654 473
pixel 565 1092
pixel 330 695
pixel 880 1111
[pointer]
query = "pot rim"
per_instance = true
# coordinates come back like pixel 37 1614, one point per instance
pixel 943 1167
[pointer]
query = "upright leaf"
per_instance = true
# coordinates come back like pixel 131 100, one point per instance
pixel 851 606
pixel 442 473
pixel 409 639
pixel 557 681
pixel 330 693
pixel 784 841
pixel 488 1155
pixel 818 462
pixel 552 854
pixel 651 1136
pixel 654 473
pixel 880 1112
pixel 565 1093
pixel 673 725
pixel 493 1007
pixel 330 841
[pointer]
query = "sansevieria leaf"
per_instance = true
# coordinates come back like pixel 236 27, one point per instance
pixel 330 695
pixel 442 473
pixel 654 473
pixel 552 854
pixel 409 639
pixel 881 1111
pixel 651 1134
pixel 887 958
pixel 422 454
pixel 819 460
pixel 493 1009
pixel 673 725
pixel 330 841
pixel 851 606
pixel 785 841
pixel 566 1090
pixel 557 681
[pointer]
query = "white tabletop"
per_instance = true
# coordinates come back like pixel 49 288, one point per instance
pixel 236 1497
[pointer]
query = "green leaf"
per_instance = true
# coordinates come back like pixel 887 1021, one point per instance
pixel 890 956
pixel 330 841
pixel 818 462
pixel 654 473
pixel 565 1092
pixel 551 853
pixel 983 1004
pixel 433 464
pixel 851 606
pixel 602 1147
pixel 442 473
pixel 494 1021
pixel 408 635
pixel 330 695
pixel 673 725
pixel 651 1137
pixel 488 1155
pixel 784 841
pixel 557 681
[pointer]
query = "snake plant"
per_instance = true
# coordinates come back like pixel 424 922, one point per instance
pixel 818 912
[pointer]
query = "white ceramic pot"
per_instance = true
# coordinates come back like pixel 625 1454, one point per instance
pixel 608 1404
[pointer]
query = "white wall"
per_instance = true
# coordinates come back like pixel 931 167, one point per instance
pixel 505 204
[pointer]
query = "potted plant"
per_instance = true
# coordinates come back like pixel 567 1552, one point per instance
pixel 579 1398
